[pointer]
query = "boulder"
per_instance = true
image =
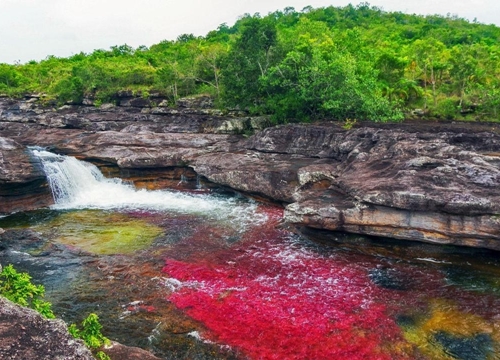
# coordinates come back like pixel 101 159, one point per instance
pixel 25 334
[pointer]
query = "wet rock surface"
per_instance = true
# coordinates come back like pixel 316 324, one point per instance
pixel 427 182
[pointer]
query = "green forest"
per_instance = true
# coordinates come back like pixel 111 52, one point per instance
pixel 334 63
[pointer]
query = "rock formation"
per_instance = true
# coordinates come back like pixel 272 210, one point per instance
pixel 427 182
pixel 25 334
pixel 23 185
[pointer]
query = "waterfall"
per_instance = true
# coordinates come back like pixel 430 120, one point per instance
pixel 69 178
pixel 78 184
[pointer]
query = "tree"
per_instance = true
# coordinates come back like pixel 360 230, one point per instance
pixel 247 61
pixel 464 67
pixel 318 80
pixel 208 70
pixel 431 56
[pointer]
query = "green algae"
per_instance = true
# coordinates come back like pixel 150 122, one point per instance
pixel 100 232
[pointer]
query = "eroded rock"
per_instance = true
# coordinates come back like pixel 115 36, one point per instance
pixel 23 185
pixel 427 182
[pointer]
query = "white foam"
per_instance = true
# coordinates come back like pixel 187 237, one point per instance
pixel 78 184
pixel 433 260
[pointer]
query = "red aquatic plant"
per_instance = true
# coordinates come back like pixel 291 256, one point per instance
pixel 271 299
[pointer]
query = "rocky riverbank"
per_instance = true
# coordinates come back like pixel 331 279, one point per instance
pixel 25 334
pixel 431 182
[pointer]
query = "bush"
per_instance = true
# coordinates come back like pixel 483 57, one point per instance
pixel 447 109
pixel 90 333
pixel 17 287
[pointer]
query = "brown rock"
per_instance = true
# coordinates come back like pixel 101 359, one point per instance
pixel 118 351
pixel 23 184
pixel 25 334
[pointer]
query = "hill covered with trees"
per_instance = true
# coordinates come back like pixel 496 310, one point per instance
pixel 335 63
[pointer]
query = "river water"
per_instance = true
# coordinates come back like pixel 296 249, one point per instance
pixel 206 275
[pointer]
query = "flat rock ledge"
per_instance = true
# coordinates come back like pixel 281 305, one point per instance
pixel 433 182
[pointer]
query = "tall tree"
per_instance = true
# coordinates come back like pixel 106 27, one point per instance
pixel 247 61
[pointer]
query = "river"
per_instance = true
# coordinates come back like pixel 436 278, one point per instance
pixel 200 274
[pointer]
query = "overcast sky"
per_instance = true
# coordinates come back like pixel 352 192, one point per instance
pixel 34 29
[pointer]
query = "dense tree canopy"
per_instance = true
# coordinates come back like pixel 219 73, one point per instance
pixel 352 62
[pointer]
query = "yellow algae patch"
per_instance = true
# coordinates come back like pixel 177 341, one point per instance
pixel 445 318
pixel 102 233
pixel 421 340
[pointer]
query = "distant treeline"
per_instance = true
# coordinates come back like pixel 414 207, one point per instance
pixel 338 63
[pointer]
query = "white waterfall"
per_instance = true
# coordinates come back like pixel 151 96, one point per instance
pixel 78 184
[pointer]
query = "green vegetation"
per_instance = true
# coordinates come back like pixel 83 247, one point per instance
pixel 336 63
pixel 90 333
pixel 17 287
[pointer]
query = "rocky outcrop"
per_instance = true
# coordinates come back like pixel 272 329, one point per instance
pixel 23 185
pixel 133 114
pixel 427 182
pixel 395 183
pixel 25 334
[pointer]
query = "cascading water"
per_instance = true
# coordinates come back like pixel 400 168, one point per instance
pixel 78 184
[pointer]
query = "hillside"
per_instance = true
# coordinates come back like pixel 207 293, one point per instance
pixel 335 63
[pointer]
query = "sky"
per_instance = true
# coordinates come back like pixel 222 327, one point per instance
pixel 35 29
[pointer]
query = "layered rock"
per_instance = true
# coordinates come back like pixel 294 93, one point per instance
pixel 23 185
pixel 433 182
pixel 399 184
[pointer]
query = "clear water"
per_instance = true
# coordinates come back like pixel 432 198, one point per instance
pixel 197 276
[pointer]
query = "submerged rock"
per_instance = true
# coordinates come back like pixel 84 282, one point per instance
pixel 389 279
pixel 478 347
pixel 118 351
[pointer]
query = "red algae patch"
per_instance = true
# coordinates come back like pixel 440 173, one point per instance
pixel 271 299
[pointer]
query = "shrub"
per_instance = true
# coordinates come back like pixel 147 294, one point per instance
pixel 18 288
pixel 447 109
pixel 90 333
